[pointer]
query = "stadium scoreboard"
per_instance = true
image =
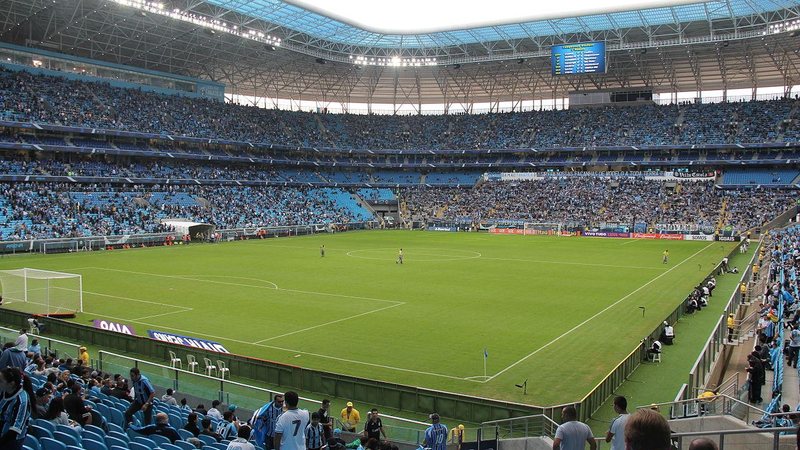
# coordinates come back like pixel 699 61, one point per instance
pixel 574 59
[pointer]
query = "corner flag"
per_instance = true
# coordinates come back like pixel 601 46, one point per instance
pixel 485 353
pixel 485 357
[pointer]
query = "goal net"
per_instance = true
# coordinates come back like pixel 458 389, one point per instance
pixel 43 291
pixel 534 228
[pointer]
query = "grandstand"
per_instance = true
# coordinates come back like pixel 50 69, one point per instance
pixel 529 157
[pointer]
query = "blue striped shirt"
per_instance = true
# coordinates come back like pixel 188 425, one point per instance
pixel 142 389
pixel 263 422
pixel 227 430
pixel 436 437
pixel 15 414
pixel 314 435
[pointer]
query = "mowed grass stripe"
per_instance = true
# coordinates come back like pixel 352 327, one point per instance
pixel 530 292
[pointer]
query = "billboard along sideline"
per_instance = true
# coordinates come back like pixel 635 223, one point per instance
pixel 201 344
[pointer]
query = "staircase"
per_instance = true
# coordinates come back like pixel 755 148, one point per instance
pixel 723 213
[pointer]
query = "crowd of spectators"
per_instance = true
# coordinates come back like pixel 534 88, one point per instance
pixel 46 99
pixel 596 200
pixel 57 210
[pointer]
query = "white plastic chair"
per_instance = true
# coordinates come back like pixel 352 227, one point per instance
pixel 223 369
pixel 655 357
pixel 191 361
pixel 210 367
pixel 174 361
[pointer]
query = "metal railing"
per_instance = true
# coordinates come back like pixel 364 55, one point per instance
pixel 751 438
pixel 719 405
pixel 245 396
pixel 59 349
pixel 537 425
pixel 698 375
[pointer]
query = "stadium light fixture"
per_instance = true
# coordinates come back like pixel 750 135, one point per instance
pixel 213 25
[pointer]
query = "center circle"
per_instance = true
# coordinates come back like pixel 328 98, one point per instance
pixel 412 255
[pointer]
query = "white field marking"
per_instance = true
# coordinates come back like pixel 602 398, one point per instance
pixel 574 263
pixel 329 323
pixel 250 285
pixel 165 314
pixel 597 314
pixel 630 241
pixel 437 257
pixel 288 350
pixel 183 308
pixel 476 377
pixel 274 286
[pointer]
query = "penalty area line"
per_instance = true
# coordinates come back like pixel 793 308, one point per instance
pixel 595 315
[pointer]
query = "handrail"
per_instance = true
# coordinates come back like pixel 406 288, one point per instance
pixel 42 337
pixel 234 383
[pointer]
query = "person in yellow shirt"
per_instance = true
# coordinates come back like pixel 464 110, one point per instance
pixel 755 272
pixel 665 257
pixel 457 435
pixel 350 418
pixel 731 325
pixel 743 292
pixel 84 356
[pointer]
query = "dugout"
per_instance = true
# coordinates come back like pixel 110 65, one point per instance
pixel 196 230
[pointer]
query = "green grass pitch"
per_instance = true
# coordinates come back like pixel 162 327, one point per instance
pixel 558 311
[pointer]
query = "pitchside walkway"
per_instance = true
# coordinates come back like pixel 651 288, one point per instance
pixel 660 382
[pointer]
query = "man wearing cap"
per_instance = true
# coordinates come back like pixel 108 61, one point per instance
pixel 84 356
pixel 350 418
pixel 667 334
pixel 436 434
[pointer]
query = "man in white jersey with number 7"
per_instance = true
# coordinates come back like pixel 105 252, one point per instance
pixel 290 430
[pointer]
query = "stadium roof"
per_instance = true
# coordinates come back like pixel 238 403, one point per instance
pixel 358 24
pixel 278 50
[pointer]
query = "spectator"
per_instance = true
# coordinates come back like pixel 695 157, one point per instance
pixel 291 419
pixel 616 432
pixel 208 431
pixel 436 434
pixel 373 428
pixel 242 440
pixel 325 418
pixel 144 392
pixel 14 356
pixel 214 412
pixel 191 424
pixel 168 398
pixel 572 434
pixel 15 408
pixel 263 422
pixel 228 427
pixel 315 433
pixel 84 356
pixel 350 418
pixel 647 430
pixel 703 444
pixel 161 427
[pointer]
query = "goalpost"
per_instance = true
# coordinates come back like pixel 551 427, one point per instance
pixel 43 291
pixel 546 228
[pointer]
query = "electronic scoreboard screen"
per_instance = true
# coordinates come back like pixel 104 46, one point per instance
pixel 573 59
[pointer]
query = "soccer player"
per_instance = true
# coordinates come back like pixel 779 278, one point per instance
pixel 290 428
pixel 322 251
pixel 436 434
pixel 400 257
pixel 665 258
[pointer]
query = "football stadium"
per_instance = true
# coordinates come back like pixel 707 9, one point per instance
pixel 308 225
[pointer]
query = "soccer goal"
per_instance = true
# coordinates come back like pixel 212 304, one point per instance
pixel 538 228
pixel 43 291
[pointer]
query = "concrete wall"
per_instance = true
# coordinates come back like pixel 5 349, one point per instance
pixel 732 442
pixel 531 443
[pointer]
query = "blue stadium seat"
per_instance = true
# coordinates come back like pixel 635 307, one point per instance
pixel 185 445
pixel 114 427
pixel 117 418
pixel 86 434
pixel 119 435
pixel 32 442
pixel 207 440
pixel 74 447
pixel 52 444
pixel 117 447
pixel 66 429
pixel 40 432
pixel 67 439
pixel 169 447
pixel 185 434
pixel 219 446
pixel 158 439
pixel 140 446
pixel 91 444
pixel 46 424
pixel 95 429
pixel 144 441
pixel 112 441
